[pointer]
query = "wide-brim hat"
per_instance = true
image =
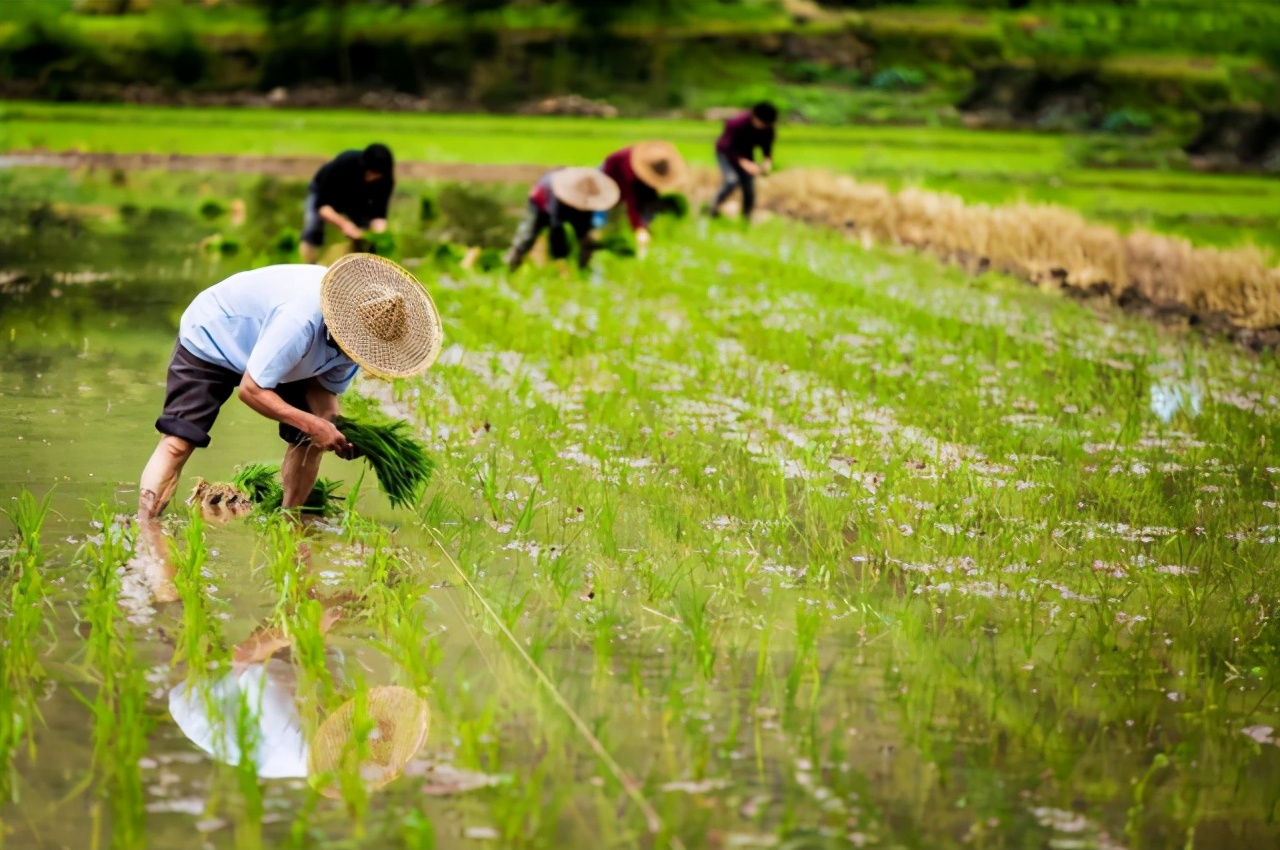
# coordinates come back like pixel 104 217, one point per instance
pixel 660 165
pixel 395 725
pixel 585 189
pixel 380 316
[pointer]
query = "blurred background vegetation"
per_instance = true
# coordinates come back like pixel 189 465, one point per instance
pixel 1159 82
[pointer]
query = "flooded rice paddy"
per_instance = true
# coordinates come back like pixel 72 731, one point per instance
pixel 816 547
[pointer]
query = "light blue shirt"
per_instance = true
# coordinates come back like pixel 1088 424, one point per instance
pixel 267 323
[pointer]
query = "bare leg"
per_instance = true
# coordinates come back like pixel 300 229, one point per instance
pixel 299 472
pixel 309 252
pixel 155 491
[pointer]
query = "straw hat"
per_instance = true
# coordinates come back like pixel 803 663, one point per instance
pixel 585 189
pixel 399 720
pixel 380 315
pixel 660 165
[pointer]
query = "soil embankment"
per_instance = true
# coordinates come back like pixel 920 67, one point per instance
pixel 1234 291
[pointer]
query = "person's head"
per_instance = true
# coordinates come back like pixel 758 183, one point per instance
pixel 377 161
pixel 764 114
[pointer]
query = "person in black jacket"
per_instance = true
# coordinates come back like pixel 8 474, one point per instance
pixel 351 192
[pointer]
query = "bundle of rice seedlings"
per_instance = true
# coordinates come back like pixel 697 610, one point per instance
pixel 400 461
pixel 616 244
pixel 261 483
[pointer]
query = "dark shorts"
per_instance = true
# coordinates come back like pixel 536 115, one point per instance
pixel 195 391
pixel 312 223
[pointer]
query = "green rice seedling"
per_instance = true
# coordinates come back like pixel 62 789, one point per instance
pixel 22 620
pixel 398 459
pixel 199 642
pixel 261 483
pixel 28 516
pixel 121 720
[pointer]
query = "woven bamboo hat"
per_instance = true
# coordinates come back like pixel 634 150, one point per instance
pixel 380 315
pixel 585 189
pixel 660 165
pixel 397 720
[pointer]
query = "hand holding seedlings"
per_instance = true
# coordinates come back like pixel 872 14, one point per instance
pixel 325 436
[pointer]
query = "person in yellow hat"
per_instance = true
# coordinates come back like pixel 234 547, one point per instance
pixel 564 199
pixel 644 173
pixel 290 339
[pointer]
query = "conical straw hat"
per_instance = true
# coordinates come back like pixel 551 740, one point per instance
pixel 660 165
pixel 381 316
pixel 585 189
pixel 400 721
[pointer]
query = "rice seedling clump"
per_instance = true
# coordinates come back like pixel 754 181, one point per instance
pixel 398 459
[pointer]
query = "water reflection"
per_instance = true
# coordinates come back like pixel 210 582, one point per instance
pixel 1168 398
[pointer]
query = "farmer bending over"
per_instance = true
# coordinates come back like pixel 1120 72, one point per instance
pixel 291 339
pixel 351 192
pixel 644 173
pixel 736 153
pixel 564 198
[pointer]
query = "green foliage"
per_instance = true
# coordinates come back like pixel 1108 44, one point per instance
pixel 427 209
pixel 286 241
pixel 490 260
pixel 897 79
pixel 473 215
pixel 212 209
pixel 1128 121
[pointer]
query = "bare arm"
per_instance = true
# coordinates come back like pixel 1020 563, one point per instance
pixel 268 403
pixel 340 221
pixel 378 225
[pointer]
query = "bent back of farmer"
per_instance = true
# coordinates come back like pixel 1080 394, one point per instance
pixel 352 192
pixel 644 173
pixel 736 154
pixel 564 199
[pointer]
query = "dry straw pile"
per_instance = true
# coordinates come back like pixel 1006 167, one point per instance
pixel 1238 288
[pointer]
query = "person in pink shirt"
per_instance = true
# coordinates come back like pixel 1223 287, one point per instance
pixel 736 154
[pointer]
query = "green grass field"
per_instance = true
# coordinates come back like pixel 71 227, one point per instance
pixel 992 167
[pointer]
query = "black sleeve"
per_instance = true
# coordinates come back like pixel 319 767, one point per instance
pixel 321 184
pixel 766 144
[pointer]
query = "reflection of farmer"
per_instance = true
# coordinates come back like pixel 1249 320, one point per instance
pixel 351 192
pixel 736 153
pixel 289 338
pixel 262 689
pixel 564 198
pixel 644 172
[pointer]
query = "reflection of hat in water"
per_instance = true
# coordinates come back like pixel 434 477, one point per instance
pixel 397 722
pixel 660 165
pixel 380 315
pixel 585 189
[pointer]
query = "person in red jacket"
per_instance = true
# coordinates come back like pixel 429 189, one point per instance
pixel 644 173
pixel 736 153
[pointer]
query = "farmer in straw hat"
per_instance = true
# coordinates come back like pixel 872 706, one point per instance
pixel 351 192
pixel 291 339
pixel 644 173
pixel 564 198
pixel 736 154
